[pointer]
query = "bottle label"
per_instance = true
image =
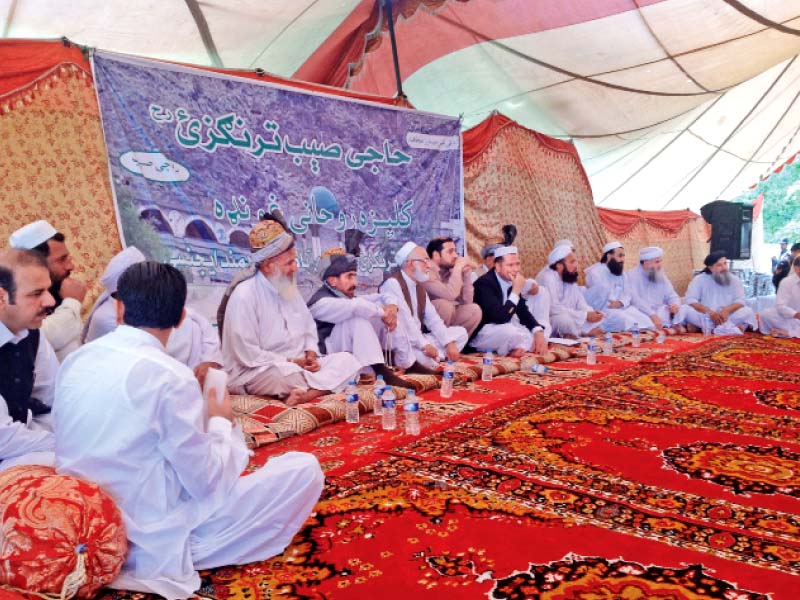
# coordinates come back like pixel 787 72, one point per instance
pixel 388 403
pixel 449 375
pixel 488 361
pixel 411 407
pixel 352 398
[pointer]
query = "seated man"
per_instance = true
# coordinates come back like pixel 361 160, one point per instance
pixel 507 326
pixel 607 292
pixel 133 420
pixel 652 292
pixel 719 296
pixel 194 342
pixel 346 323
pixel 269 344
pixel 487 255
pixel 784 266
pixel 63 327
pixel 783 319
pixel 570 314
pixel 427 340
pixel 28 365
pixel 450 285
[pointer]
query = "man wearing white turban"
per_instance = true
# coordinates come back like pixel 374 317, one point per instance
pixel 607 292
pixel 570 314
pixel 652 292
pixel 270 343
pixel 193 342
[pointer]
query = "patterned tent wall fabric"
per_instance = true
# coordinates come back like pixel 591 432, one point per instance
pixel 685 244
pixel 53 166
pixel 515 175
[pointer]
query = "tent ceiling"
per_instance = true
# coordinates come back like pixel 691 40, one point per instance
pixel 672 103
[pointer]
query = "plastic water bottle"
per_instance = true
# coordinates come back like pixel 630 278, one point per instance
pixel 488 366
pixel 591 352
pixel 447 380
pixel 637 336
pixel 707 328
pixel 411 413
pixel 608 344
pixel 351 406
pixel 388 416
pixel 662 336
pixel 377 391
pixel 538 369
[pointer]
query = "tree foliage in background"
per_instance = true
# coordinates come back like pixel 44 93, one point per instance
pixel 139 232
pixel 781 203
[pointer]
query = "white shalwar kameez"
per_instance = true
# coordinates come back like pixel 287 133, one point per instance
pixel 704 290
pixel 568 307
pixel 408 343
pixel 192 343
pixel 603 287
pixel 787 305
pixel 63 328
pixel 358 326
pixel 23 443
pixel 539 305
pixel 131 419
pixel 655 297
pixel 263 332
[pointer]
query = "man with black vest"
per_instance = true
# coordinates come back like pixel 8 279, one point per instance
pixel 346 323
pixel 428 340
pixel 507 327
pixel 28 365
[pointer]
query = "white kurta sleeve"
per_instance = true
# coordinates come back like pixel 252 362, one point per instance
pixel 435 324
pixel 783 301
pixel 211 351
pixel 633 284
pixel 338 310
pixel 695 290
pixel 670 295
pixel 64 325
pixel 737 291
pixel 310 333
pixel 411 326
pixel 240 337
pixel 103 321
pixel 45 370
pixel 17 440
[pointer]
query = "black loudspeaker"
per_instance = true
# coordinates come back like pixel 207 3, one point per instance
pixel 731 228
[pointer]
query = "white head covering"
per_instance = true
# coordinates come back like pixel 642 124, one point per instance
pixel 504 250
pixel 650 253
pixel 30 236
pixel 402 254
pixel 558 253
pixel 563 243
pixel 114 270
pixel 611 246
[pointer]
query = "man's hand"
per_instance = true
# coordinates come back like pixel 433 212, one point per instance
pixel 466 266
pixel 518 284
pixel 452 352
pixel 219 409
pixel 657 321
pixel 431 351
pixel 540 343
pixel 594 316
pixel 534 289
pixel 72 288
pixel 716 318
pixel 673 309
pixel 615 304
pixel 311 362
pixel 390 316
pixel 201 370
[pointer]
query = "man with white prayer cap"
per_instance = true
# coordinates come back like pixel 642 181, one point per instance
pixel 783 319
pixel 28 365
pixel 427 339
pixel 194 342
pixel 652 292
pixel 570 314
pixel 507 326
pixel 63 327
pixel 607 292
pixel 270 344
pixel 360 325
pixel 718 295
pixel 133 420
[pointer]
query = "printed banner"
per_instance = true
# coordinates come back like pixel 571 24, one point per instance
pixel 197 157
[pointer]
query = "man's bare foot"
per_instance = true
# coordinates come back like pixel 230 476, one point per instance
pixel 680 329
pixel 596 332
pixel 298 396
pixel 779 333
pixel 421 370
pixel 517 353
pixel 692 329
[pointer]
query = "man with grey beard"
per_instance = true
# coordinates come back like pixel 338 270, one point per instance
pixel 652 292
pixel 718 295
pixel 270 342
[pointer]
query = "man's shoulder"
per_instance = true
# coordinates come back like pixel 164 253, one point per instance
pixel 594 268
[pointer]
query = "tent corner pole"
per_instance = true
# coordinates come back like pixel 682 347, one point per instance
pixel 395 59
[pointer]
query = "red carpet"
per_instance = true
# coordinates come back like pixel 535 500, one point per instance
pixel 674 478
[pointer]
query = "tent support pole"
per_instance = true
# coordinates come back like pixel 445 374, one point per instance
pixel 395 59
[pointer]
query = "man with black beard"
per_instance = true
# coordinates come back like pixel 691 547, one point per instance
pixel 63 327
pixel 652 292
pixel 718 295
pixel 570 314
pixel 607 292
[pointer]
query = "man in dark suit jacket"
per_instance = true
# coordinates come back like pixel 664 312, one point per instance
pixel 507 326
